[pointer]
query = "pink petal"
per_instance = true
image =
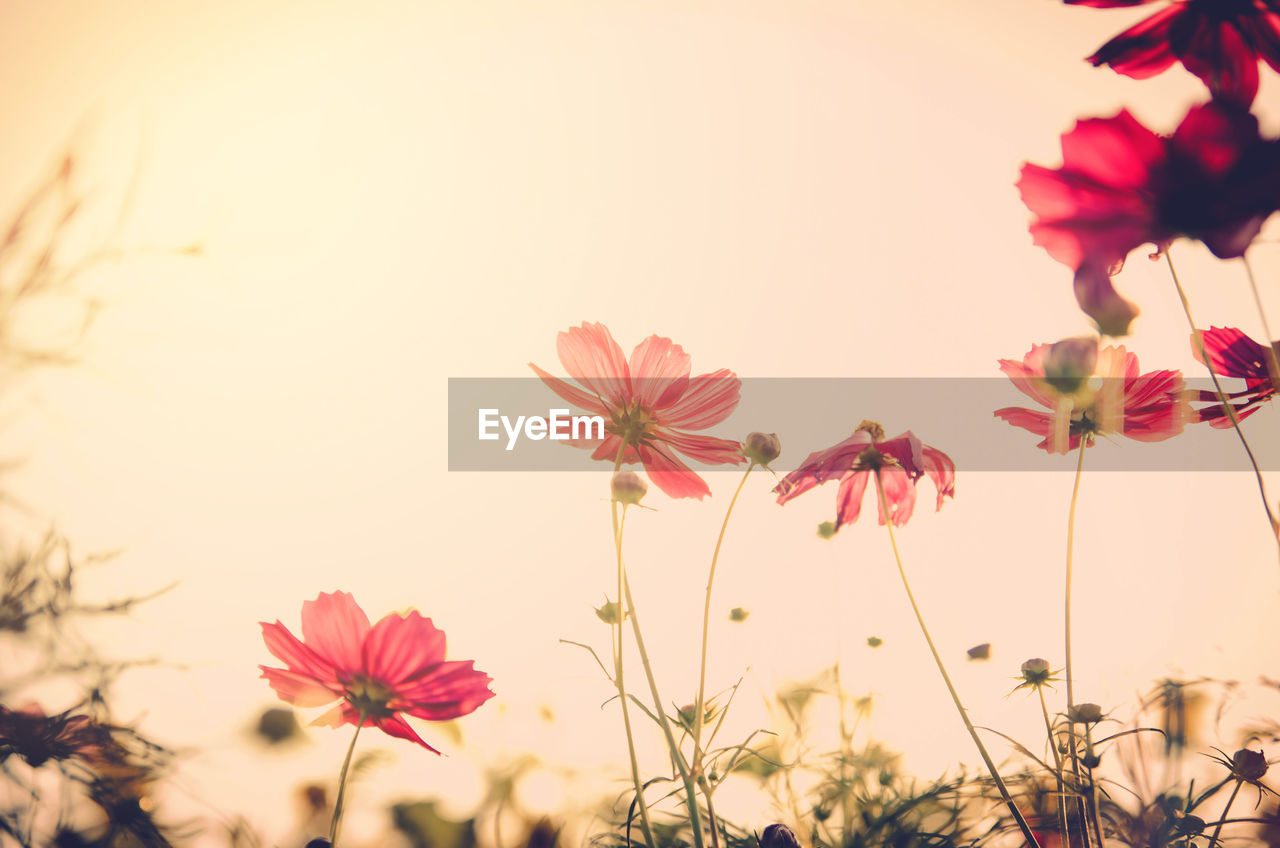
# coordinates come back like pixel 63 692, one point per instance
pixel 575 396
pixel 900 492
pixel 907 450
pixel 299 689
pixel 299 657
pixel 671 475
pixel 1117 152
pixel 451 690
pixel 659 372
pixel 340 714
pixel 707 449
pixel 849 497
pixel 334 626
pixel 708 400
pixel 593 358
pixel 395 726
pixel 608 451
pixel 1218 55
pixel 942 471
pixel 399 648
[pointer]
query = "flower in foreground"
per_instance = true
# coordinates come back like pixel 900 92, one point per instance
pixel 1233 354
pixel 649 405
pixel 899 462
pixel 1115 398
pixel 1220 41
pixel 1121 186
pixel 377 672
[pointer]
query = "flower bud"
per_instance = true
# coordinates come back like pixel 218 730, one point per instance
pixel 874 641
pixel 1085 714
pixel 738 614
pixel 826 529
pixel 1035 671
pixel 628 487
pixel 762 448
pixel 608 613
pixel 778 836
pixel 1091 760
pixel 1248 765
pixel 1069 363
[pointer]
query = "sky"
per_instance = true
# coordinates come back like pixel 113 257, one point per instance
pixel 386 198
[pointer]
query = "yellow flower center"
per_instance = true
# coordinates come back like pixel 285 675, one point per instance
pixel 369 697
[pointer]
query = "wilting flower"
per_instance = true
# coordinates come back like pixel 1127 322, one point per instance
pixel 1146 407
pixel 648 404
pixel 1121 186
pixel 1220 41
pixel 38 738
pixel 899 463
pixel 396 666
pixel 1233 354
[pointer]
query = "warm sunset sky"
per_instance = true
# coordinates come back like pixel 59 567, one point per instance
pixel 390 196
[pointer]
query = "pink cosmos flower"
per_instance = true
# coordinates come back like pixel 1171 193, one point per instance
pixel 1121 185
pixel 899 463
pixel 395 666
pixel 1233 354
pixel 1110 397
pixel 649 405
pixel 1220 41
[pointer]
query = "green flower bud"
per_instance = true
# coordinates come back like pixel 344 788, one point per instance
pixel 608 613
pixel 1085 714
pixel 762 448
pixel 738 614
pixel 1070 362
pixel 1035 671
pixel 628 487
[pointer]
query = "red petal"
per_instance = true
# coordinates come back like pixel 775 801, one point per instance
pixel 899 492
pixel 1143 50
pixel 573 395
pixel 300 658
pixel 707 449
pixel 395 726
pixel 299 689
pixel 400 647
pixel 335 627
pixel 942 471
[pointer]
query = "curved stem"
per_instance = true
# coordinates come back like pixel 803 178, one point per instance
pixel 1071 701
pixel 699 705
pixel 1213 840
pixel 621 613
pixel 342 784
pixel 1093 788
pixel 1273 363
pixel 1222 397
pixel 946 678
pixel 695 818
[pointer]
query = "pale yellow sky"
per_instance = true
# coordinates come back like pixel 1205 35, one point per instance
pixel 390 198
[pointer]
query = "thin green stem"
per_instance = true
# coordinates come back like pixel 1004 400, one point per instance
pixel 1222 397
pixel 946 678
pixel 1071 701
pixel 620 613
pixel 342 784
pixel 695 817
pixel 1273 363
pixel 1057 769
pixel 1213 840
pixel 699 705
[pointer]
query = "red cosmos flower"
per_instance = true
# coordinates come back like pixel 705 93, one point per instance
pixel 396 666
pixel 1121 186
pixel 1115 398
pixel 1233 354
pixel 1220 41
pixel 648 405
pixel 899 462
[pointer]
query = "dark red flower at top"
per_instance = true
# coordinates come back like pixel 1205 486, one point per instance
pixel 899 463
pixel 1233 354
pixel 1121 186
pixel 376 672
pixel 1220 41
pixel 649 404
